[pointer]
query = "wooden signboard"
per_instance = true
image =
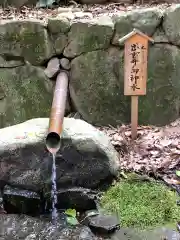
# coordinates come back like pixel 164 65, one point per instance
pixel 135 71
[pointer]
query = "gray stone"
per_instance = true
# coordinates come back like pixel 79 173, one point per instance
pixel 171 24
pixel 81 199
pixel 26 38
pixel 53 67
pixel 21 201
pixel 86 157
pixel 25 92
pixel 29 228
pixel 58 25
pixel 94 93
pixel 145 20
pixel 161 105
pixel 103 224
pixel 65 63
pixel 89 35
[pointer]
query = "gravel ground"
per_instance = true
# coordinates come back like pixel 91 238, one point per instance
pixel 81 11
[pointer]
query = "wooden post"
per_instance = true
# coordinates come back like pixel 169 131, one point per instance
pixel 135 71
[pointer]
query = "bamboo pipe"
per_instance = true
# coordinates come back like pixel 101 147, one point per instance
pixel 53 137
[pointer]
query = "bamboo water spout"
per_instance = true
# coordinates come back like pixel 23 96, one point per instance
pixel 57 113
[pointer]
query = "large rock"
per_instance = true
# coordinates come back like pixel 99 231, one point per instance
pixel 161 105
pixel 86 158
pixel 89 35
pixel 99 94
pixel 25 93
pixel 171 24
pixel 145 20
pixel 28 39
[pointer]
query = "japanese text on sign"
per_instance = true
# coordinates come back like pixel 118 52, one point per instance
pixel 135 66
pixel 135 70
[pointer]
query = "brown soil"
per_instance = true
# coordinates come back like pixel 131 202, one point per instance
pixel 155 152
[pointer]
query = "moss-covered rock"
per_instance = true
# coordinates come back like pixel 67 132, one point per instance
pixel 161 105
pixel 96 87
pixel 58 25
pixel 99 94
pixel 171 24
pixel 145 20
pixel 86 36
pixel 28 93
pixel 28 39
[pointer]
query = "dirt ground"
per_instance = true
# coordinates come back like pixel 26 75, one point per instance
pixel 90 11
pixel 155 152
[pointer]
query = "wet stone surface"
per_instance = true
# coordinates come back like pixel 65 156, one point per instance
pixel 81 199
pixel 103 224
pixel 93 225
pixel 24 227
pixel 22 201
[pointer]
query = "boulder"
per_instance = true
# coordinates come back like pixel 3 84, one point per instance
pixel 89 35
pixel 161 105
pixel 86 158
pixel 171 24
pixel 26 93
pixel 28 39
pixel 145 20
pixel 93 93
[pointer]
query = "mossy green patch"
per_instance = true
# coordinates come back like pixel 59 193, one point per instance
pixel 142 204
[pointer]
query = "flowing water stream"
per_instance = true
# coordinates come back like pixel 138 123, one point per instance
pixel 54 191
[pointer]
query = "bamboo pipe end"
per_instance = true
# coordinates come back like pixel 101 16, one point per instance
pixel 53 142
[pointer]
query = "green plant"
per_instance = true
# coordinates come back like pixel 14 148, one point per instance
pixel 141 204
pixel 71 216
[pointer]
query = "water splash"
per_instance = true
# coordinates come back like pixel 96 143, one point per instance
pixel 54 191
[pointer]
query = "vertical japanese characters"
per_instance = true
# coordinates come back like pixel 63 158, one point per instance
pixel 136 60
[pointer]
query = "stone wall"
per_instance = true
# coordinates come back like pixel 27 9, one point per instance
pixel 96 66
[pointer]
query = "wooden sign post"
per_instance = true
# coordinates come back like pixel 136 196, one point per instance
pixel 135 71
